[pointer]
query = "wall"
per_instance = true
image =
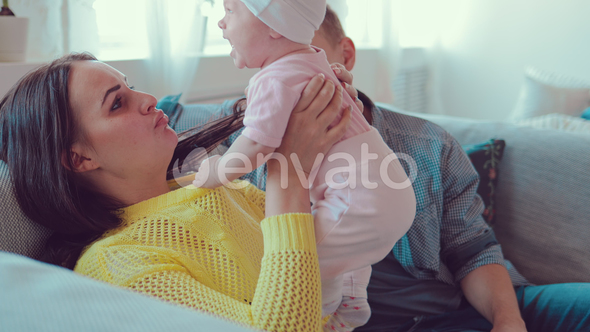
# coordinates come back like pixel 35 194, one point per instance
pixel 11 72
pixel 216 79
pixel 484 50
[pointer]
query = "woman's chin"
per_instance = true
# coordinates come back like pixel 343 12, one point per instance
pixel 170 136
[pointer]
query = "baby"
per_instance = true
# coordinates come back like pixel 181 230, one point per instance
pixel 362 199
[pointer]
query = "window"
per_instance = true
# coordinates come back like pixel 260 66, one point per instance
pixel 214 42
pixel 122 25
pixel 122 29
pixel 362 21
pixel 364 27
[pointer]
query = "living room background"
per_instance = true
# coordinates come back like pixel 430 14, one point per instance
pixel 471 54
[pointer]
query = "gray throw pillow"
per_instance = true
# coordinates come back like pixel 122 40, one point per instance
pixel 18 233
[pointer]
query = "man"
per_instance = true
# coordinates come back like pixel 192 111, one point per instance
pixel 448 271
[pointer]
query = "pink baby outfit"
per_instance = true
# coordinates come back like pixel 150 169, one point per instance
pixel 363 201
pixel 274 91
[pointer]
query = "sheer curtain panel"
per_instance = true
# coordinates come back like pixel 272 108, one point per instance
pixel 176 35
pixel 45 40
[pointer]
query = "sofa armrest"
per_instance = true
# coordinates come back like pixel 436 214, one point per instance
pixel 42 297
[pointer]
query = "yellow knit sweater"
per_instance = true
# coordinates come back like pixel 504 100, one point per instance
pixel 213 250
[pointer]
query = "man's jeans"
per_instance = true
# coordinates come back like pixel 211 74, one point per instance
pixel 551 308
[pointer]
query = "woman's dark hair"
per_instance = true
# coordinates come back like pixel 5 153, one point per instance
pixel 37 126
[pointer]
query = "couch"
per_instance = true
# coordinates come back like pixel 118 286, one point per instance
pixel 542 196
pixel 542 223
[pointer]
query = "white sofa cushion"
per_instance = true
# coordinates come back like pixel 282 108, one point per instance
pixel 557 121
pixel 42 297
pixel 544 93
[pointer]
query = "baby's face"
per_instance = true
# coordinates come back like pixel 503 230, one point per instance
pixel 247 35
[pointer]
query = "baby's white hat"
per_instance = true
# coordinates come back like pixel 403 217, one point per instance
pixel 296 20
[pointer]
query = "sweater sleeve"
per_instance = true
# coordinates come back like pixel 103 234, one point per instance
pixel 256 196
pixel 287 296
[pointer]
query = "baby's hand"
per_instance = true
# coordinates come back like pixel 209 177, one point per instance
pixel 206 177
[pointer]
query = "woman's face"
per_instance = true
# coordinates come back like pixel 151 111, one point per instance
pixel 123 133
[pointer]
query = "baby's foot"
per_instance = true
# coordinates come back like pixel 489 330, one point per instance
pixel 352 313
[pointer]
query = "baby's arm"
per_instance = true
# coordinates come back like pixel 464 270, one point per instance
pixel 244 156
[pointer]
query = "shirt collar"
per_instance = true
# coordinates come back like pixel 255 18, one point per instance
pixel 376 112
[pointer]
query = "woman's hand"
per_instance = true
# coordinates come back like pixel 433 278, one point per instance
pixel 345 78
pixel 306 137
pixel 307 133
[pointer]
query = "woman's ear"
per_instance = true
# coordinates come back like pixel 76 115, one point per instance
pixel 80 162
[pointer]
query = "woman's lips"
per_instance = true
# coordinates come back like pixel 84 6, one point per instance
pixel 163 121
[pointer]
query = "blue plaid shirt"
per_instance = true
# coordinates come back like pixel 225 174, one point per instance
pixel 448 239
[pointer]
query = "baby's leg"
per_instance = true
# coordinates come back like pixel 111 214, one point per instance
pixel 359 216
pixel 354 310
pixel 331 295
pixel 358 227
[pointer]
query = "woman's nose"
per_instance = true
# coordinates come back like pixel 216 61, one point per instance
pixel 148 104
pixel 221 24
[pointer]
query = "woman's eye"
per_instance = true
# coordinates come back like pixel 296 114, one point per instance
pixel 116 104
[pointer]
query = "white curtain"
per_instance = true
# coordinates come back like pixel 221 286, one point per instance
pixel 82 30
pixel 45 39
pixel 431 25
pixel 390 51
pixel 57 27
pixel 373 24
pixel 176 33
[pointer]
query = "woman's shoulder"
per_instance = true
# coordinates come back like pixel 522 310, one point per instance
pixel 119 258
pixel 188 202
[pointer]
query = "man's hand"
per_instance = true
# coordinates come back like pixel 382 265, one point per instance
pixel 515 326
pixel 489 290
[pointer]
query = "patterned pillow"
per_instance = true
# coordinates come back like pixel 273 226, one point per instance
pixel 485 157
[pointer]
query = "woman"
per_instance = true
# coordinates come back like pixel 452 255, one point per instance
pixel 89 158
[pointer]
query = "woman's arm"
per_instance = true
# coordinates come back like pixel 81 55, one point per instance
pixel 207 177
pixel 307 136
pixel 287 295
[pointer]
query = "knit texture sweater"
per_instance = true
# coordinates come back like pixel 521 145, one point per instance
pixel 213 250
